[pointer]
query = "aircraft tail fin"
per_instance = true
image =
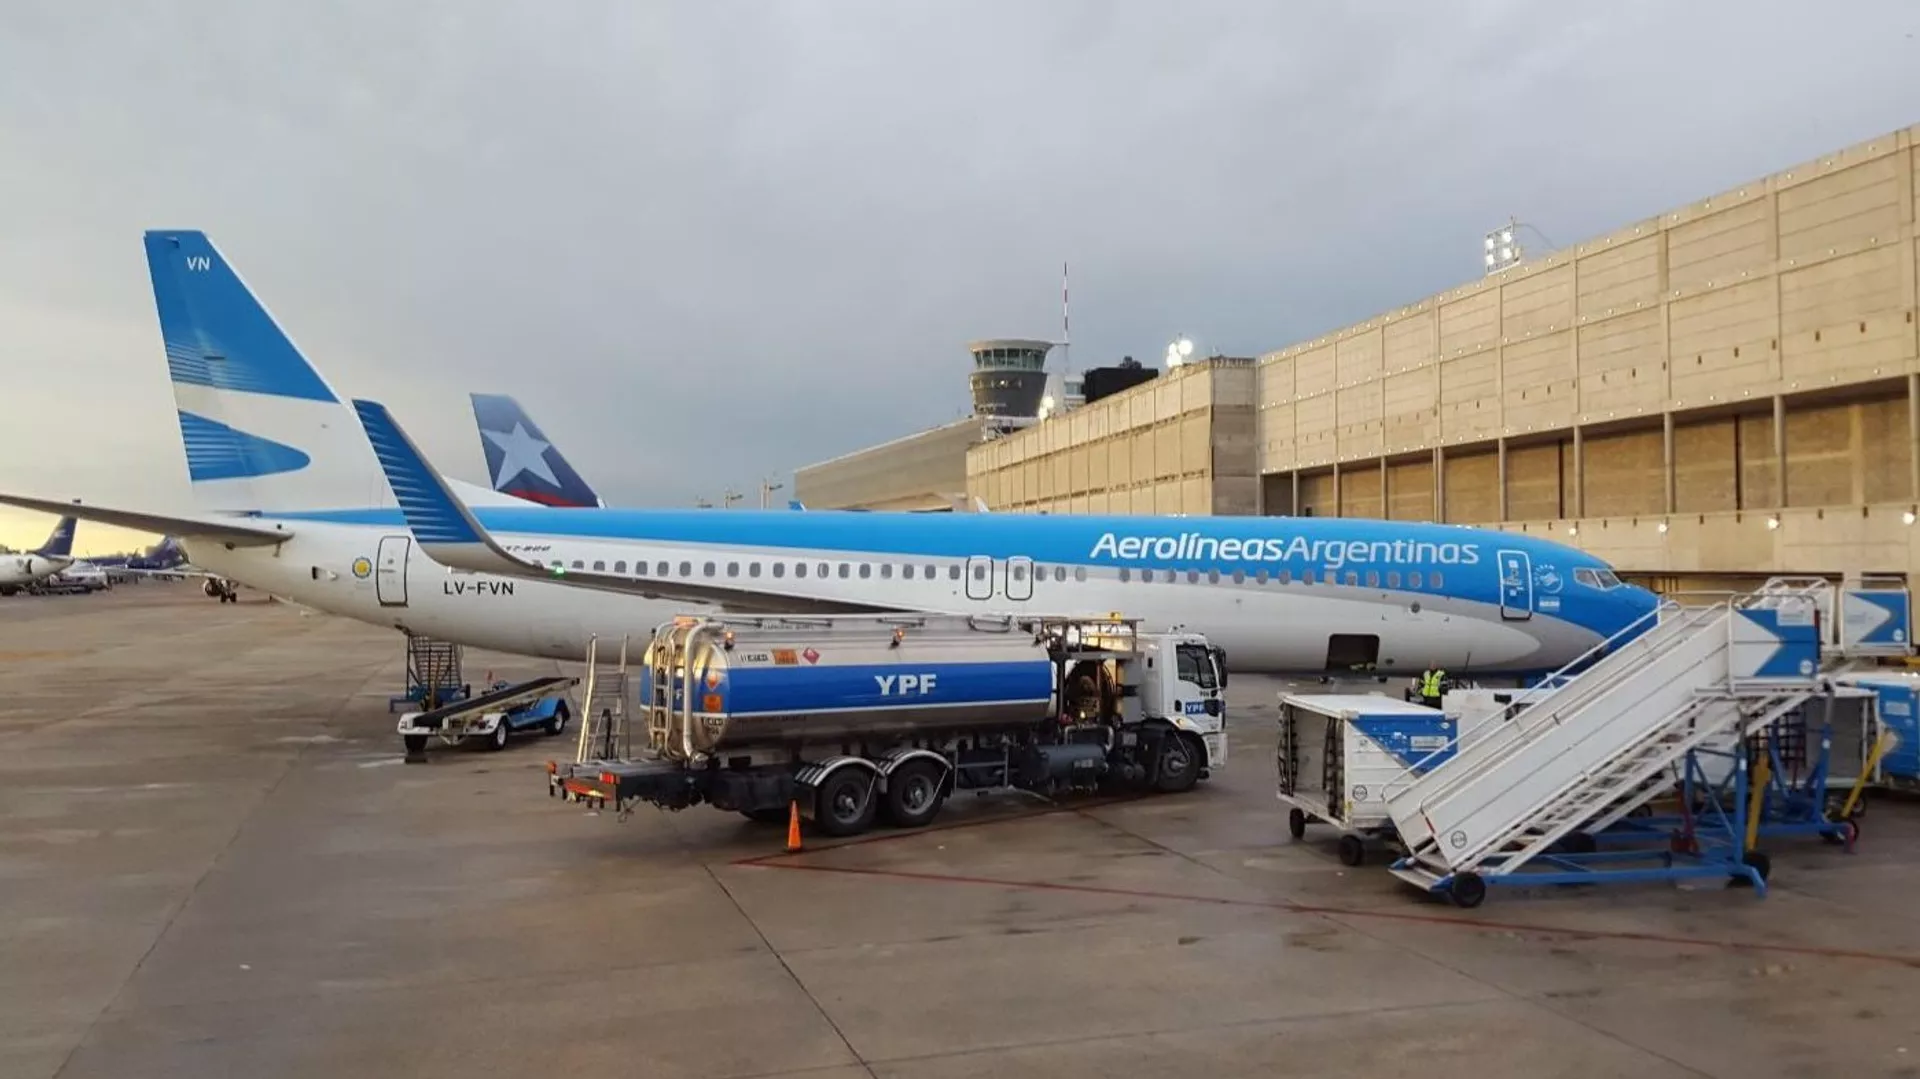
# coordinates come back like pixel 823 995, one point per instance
pixel 522 461
pixel 262 430
pixel 60 543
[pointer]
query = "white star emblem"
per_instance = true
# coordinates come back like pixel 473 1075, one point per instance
pixel 520 452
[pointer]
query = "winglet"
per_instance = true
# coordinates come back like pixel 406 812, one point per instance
pixel 441 524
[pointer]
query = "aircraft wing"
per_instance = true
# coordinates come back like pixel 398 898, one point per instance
pixel 449 533
pixel 224 529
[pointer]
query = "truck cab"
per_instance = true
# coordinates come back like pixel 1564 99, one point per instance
pixel 1185 683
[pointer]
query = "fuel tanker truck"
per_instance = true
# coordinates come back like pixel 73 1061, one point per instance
pixel 855 718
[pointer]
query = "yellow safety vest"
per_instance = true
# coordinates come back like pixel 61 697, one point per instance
pixel 1430 683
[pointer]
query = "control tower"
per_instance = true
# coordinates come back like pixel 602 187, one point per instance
pixel 1009 377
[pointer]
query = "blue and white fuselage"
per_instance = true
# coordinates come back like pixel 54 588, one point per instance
pixel 1274 592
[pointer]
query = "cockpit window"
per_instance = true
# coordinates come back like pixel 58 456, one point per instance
pixel 1596 578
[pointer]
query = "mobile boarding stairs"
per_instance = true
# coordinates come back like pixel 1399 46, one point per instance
pixel 1525 799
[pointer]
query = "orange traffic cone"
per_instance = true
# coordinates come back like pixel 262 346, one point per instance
pixel 793 827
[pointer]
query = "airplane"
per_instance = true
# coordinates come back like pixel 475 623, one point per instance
pixel 522 460
pixel 18 571
pixel 288 516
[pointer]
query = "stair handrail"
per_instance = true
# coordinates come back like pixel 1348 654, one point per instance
pixel 1548 685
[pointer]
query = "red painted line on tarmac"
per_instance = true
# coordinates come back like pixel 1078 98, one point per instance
pixel 784 860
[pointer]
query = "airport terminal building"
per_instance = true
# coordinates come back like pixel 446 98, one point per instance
pixel 1728 389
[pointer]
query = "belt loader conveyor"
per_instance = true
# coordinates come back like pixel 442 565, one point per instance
pixel 493 715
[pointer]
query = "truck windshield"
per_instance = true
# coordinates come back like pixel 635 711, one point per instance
pixel 1196 665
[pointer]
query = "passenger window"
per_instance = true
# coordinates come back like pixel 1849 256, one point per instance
pixel 886 571
pixel 866 570
pixel 845 570
pixel 1353 578
pixel 686 569
pixel 1413 578
pixel 1286 576
pixel 799 569
pixel 1436 580
pixel 1079 573
pixel 577 564
pixel 980 571
pixel 1373 578
pixel 1260 577
pixel 1393 578
pixel 1213 576
pixel 906 572
pixel 823 569
pixel 1125 574
pixel 1145 575
pixel 953 572
pixel 753 569
pixel 1306 576
pixel 779 569
pixel 619 567
pixel 639 569
pixel 733 569
pixel 599 566
pixel 1193 576
pixel 1019 573
pixel 706 570
pixel 659 569
pixel 1059 573
pixel 1239 576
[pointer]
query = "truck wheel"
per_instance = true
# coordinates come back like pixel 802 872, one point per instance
pixel 1179 764
pixel 498 739
pixel 558 721
pixel 845 804
pixel 914 794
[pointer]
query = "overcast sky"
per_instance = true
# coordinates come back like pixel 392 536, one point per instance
pixel 706 242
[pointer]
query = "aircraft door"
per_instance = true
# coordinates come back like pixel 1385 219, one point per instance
pixel 979 577
pixel 1516 585
pixel 1019 581
pixel 390 571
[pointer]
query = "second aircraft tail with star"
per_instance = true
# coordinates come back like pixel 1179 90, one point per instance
pixel 522 461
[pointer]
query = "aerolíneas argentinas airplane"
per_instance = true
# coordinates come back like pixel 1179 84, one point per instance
pixel 1282 594
pixel 17 571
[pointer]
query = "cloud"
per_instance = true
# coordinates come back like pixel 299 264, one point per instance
pixel 707 243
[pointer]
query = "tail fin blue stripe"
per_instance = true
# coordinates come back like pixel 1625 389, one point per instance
pixel 216 451
pixel 522 460
pixel 431 512
pixel 60 543
pixel 217 334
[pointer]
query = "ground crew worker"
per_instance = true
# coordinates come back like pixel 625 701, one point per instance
pixel 1432 680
